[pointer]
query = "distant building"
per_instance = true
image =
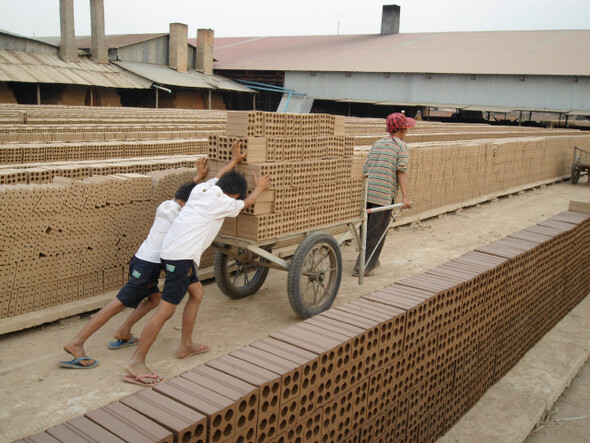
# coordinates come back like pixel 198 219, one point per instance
pixel 147 70
pixel 469 72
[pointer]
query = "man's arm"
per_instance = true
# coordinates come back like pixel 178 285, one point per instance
pixel 402 180
pixel 261 184
pixel 202 169
pixel 236 157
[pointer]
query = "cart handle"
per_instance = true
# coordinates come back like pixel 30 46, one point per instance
pixel 385 208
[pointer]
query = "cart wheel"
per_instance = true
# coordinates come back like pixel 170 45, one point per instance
pixel 575 174
pixel 314 275
pixel 238 279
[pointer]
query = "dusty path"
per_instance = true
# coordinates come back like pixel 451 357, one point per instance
pixel 36 394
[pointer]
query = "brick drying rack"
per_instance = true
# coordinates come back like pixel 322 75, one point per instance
pixel 401 364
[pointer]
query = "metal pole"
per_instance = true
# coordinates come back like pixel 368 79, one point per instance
pixel 156 97
pixel 209 99
pixel 363 251
pixel 38 93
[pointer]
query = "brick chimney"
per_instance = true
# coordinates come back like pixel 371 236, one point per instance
pixel 67 48
pixel 390 19
pixel 178 47
pixel 204 62
pixel 98 49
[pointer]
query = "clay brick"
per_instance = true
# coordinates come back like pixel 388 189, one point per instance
pixel 243 394
pixel 289 371
pixel 185 423
pixel 128 424
pixel 307 361
pixel 219 410
pixel 41 437
pixel 269 384
pixel 82 429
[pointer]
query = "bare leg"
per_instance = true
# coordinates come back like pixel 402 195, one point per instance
pixel 151 330
pixel 124 331
pixel 76 345
pixel 189 316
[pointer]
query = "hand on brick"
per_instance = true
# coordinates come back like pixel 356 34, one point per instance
pixel 262 183
pixel 202 169
pixel 236 152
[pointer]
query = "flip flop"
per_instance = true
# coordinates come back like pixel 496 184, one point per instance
pixel 123 343
pixel 136 379
pixel 75 363
pixel 202 348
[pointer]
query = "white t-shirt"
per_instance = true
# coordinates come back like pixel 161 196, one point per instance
pixel 151 246
pixel 198 223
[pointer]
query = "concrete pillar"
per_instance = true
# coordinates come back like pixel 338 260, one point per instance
pixel 390 19
pixel 204 62
pixel 67 49
pixel 98 49
pixel 178 56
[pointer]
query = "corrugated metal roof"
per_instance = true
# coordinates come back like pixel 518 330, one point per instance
pixel 191 79
pixel 111 41
pixel 18 66
pixel 555 52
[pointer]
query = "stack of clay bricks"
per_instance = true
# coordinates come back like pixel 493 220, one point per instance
pixel 73 238
pixel 37 173
pixel 309 161
pixel 451 174
pixel 401 364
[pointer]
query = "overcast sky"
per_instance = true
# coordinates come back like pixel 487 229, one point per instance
pixel 228 18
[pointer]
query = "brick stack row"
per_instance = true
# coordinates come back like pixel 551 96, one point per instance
pixel 38 173
pixel 401 364
pixel 309 161
pixel 11 153
pixel 73 238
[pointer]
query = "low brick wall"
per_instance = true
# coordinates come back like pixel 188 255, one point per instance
pixel 401 364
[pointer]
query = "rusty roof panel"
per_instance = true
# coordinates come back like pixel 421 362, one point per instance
pixel 191 79
pixel 25 67
pixel 555 52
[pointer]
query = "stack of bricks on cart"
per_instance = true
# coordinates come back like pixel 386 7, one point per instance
pixel 309 161
pixel 73 238
pixel 401 364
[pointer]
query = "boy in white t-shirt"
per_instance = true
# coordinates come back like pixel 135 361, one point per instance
pixel 192 232
pixel 144 272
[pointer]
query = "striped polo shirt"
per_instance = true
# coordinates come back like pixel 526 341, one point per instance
pixel 387 156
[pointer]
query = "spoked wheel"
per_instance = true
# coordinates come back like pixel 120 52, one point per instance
pixel 314 275
pixel 238 278
pixel 575 176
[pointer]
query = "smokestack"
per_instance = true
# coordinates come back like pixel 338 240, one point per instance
pixel 98 50
pixel 204 62
pixel 390 19
pixel 178 47
pixel 67 49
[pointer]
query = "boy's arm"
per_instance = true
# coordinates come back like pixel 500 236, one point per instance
pixel 202 169
pixel 261 184
pixel 236 157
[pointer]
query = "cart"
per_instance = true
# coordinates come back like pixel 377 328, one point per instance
pixel 581 163
pixel 313 263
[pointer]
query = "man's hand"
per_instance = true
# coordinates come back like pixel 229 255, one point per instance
pixel 236 152
pixel 262 183
pixel 202 168
pixel 406 202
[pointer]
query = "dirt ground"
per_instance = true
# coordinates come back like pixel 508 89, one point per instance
pixel 36 394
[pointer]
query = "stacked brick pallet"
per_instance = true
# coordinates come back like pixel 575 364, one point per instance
pixel 73 238
pixel 401 364
pixel 309 161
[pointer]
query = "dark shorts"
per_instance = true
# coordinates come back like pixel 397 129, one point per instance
pixel 143 281
pixel 180 274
